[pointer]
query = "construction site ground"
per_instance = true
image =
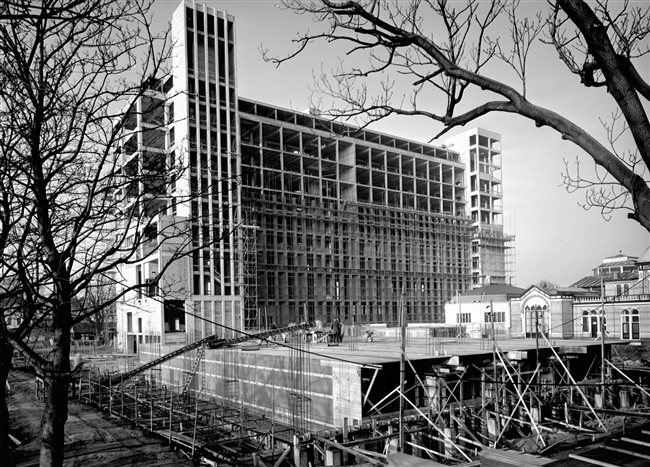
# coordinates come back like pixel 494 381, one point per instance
pixel 91 437
pixel 95 438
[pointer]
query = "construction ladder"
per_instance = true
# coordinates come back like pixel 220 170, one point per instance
pixel 190 377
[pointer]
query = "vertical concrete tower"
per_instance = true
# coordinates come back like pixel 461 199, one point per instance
pixel 491 246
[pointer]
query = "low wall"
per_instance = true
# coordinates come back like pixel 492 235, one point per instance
pixel 279 383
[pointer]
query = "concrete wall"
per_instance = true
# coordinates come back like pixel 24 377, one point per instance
pixel 346 387
pixel 568 324
pixel 270 382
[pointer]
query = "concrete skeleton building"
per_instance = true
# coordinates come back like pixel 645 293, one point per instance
pixel 492 246
pixel 293 217
pixel 350 223
pixel 198 133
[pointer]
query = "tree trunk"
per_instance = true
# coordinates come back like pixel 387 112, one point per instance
pixel 6 352
pixel 56 379
pixel 55 414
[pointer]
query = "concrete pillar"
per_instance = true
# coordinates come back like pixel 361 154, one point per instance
pixel 433 392
pixel 344 455
pixel 393 445
pixel 300 454
pixel 598 399
pixel 484 427
pixel 376 445
pixel 465 419
pixel 625 399
pixel 430 383
pixel 493 429
pixel 415 451
pixel 332 456
pixel 536 413
pixel 450 433
pixel 483 389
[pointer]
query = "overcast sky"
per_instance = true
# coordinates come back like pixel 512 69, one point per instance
pixel 556 239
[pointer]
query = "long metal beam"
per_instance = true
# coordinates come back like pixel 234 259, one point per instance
pixel 212 342
pixel 352 451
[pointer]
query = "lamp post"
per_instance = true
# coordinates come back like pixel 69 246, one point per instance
pixel 602 336
pixel 402 373
pixel 494 361
pixel 537 339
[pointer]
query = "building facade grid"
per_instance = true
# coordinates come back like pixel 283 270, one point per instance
pixel 352 224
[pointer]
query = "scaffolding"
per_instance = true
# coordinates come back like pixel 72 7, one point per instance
pixel 221 429
pixel 492 251
pixel 321 260
pixel 346 224
pixel 300 382
pixel 247 277
pixel 456 407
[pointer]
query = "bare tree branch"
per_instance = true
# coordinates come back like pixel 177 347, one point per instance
pixel 73 207
pixel 451 56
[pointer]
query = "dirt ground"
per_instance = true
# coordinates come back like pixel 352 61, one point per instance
pixel 91 438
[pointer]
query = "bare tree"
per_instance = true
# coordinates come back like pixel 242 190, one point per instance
pixel 99 292
pixel 74 77
pixel 547 284
pixel 444 48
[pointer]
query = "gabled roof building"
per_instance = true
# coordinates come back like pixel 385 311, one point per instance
pixel 478 311
pixel 616 298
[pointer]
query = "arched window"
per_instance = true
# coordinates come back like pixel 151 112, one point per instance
pixel 630 323
pixel 585 320
pixel 591 322
pixel 537 320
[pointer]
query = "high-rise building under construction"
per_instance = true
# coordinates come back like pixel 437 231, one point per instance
pixel 492 246
pixel 296 217
pixel 350 223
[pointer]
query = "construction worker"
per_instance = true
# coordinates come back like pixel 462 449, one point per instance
pixel 336 330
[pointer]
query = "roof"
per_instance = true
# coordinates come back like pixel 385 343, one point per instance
pixel 617 264
pixel 553 292
pixel 571 291
pixel 494 289
pixel 594 281
pixel 624 258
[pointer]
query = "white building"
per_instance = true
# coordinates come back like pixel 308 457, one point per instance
pixel 477 311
